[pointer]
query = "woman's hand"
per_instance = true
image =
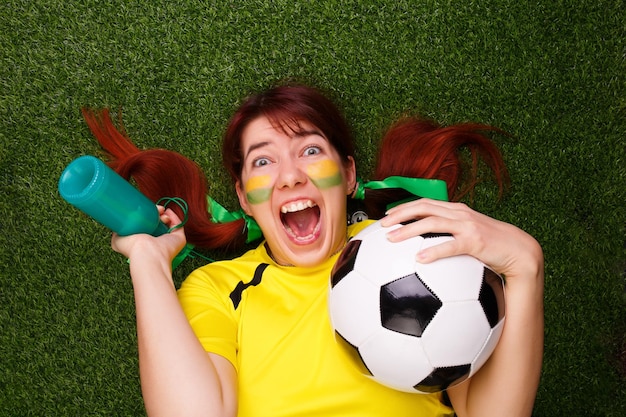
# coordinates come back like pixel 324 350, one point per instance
pixel 166 246
pixel 511 375
pixel 504 247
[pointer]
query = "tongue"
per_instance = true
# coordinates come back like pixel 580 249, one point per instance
pixel 302 223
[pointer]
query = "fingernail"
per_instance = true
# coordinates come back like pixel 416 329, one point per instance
pixel 391 234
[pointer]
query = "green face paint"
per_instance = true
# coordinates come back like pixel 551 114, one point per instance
pixel 324 174
pixel 258 189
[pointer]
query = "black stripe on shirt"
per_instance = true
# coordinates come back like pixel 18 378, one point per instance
pixel 235 295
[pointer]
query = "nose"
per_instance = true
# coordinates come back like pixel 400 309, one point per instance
pixel 290 174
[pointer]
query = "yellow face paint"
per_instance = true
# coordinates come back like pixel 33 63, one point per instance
pixel 259 189
pixel 324 174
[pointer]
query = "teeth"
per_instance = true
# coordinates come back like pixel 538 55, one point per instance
pixel 296 206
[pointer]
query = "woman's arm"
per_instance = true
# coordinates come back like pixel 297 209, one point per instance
pixel 178 378
pixel 507 384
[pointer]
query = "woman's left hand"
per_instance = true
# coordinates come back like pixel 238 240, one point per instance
pixel 507 249
pixel 512 372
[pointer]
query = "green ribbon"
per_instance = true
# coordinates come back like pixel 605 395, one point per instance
pixel 182 255
pixel 220 215
pixel 419 187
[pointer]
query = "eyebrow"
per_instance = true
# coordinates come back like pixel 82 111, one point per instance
pixel 305 133
pixel 253 147
pixel 296 135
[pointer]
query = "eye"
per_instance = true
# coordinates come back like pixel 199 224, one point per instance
pixel 312 150
pixel 260 162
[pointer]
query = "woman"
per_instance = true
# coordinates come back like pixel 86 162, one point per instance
pixel 251 336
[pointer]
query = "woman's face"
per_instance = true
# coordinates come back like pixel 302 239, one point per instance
pixel 295 184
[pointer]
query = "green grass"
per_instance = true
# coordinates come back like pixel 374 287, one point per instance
pixel 550 74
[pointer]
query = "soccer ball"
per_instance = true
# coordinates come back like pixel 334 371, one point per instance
pixel 414 327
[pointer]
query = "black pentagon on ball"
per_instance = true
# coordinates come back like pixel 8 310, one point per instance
pixel 442 378
pixel 345 262
pixel 491 297
pixel 407 305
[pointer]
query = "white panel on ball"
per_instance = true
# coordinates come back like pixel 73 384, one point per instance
pixel 489 346
pixel 457 332
pixel 453 279
pixel 377 248
pixel 351 309
pixel 395 359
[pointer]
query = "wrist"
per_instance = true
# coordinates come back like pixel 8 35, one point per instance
pixel 528 261
pixel 148 261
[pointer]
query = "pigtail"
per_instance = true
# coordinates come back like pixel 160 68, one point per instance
pixel 162 173
pixel 421 148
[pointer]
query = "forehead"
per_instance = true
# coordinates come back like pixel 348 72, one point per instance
pixel 262 130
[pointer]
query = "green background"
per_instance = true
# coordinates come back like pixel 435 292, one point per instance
pixel 551 73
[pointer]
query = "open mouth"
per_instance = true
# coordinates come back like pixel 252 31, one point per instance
pixel 301 220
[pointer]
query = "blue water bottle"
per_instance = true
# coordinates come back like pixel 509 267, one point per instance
pixel 90 185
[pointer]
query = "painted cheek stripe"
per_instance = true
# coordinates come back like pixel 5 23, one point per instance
pixel 258 189
pixel 324 174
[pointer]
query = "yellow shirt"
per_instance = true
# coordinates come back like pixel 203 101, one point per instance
pixel 271 322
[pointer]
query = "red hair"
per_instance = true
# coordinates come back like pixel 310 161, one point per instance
pixel 420 148
pixel 162 173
